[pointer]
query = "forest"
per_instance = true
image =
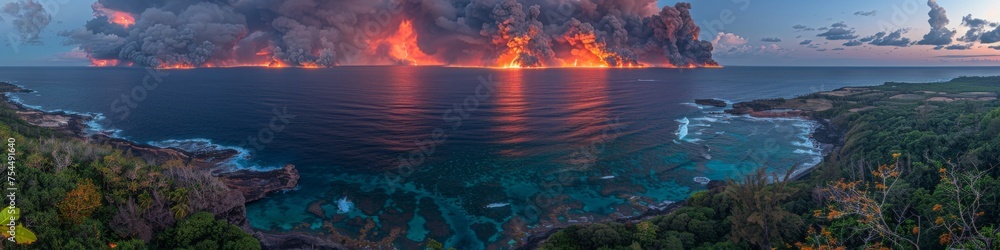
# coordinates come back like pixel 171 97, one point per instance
pixel 916 169
pixel 73 194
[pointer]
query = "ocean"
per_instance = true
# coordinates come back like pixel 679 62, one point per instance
pixel 470 157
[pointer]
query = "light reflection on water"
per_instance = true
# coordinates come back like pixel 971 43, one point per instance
pixel 549 147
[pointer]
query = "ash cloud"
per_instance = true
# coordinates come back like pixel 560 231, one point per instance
pixel 358 32
pixel 939 34
pixel 29 19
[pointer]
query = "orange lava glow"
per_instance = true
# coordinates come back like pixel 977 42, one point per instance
pixel 117 17
pixel 512 121
pixel 403 47
pixel 276 64
pixel 123 19
pixel 509 60
pixel 310 65
pixel 103 63
pixel 180 66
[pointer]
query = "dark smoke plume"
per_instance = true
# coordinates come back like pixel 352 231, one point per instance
pixel 324 33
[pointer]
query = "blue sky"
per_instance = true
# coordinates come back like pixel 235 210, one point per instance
pixel 776 18
pixel 744 24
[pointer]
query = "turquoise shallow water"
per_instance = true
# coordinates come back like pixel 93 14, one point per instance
pixel 436 153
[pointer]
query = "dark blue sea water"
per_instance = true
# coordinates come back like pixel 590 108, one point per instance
pixel 470 157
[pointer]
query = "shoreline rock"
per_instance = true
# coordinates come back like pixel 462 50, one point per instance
pixel 830 138
pixel 252 185
pixel 255 185
pixel 711 102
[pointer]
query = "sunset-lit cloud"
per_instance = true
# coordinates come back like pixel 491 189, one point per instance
pixel 905 32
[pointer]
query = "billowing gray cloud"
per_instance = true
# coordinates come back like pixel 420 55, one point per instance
pixel 29 19
pixel 839 31
pixel 939 34
pixel 888 39
pixel 995 47
pixel 991 37
pixel 838 48
pixel 770 39
pixel 349 32
pixel 866 13
pixel 977 28
pixel 806 42
pixel 978 31
pixel 853 43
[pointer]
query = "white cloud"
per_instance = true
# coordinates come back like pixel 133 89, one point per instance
pixel 729 44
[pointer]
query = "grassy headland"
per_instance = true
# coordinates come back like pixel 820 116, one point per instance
pixel 914 167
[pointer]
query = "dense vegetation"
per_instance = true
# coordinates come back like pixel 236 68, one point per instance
pixel 73 194
pixel 917 170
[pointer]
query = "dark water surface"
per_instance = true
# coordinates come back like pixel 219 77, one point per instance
pixel 448 153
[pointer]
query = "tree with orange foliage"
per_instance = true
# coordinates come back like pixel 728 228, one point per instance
pixel 871 205
pixel 963 194
pixel 954 219
pixel 80 202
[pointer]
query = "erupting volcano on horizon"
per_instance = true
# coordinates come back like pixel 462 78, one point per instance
pixel 174 34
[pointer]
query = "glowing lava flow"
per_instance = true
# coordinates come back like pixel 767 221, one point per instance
pixel 402 47
pixel 103 63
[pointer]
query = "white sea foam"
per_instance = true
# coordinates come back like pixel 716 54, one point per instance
pixel 693 105
pixel 496 205
pixel 93 122
pixel 17 100
pixel 803 143
pixel 682 130
pixel 241 161
pixel 344 206
pixel 608 177
pixel 706 119
pixel 190 145
pixel 702 180
pixel 804 151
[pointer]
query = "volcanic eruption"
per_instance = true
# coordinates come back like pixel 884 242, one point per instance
pixel 318 33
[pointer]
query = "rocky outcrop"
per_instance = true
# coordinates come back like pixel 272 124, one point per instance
pixel 255 185
pixel 227 202
pixel 197 160
pixel 744 108
pixel 711 102
pixel 297 240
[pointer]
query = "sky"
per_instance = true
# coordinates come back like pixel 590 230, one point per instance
pixel 744 32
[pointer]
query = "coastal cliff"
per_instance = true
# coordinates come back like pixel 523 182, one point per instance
pixel 220 192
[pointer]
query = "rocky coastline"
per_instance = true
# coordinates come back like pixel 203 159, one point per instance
pixel 255 185
pixel 251 185
pixel 826 134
